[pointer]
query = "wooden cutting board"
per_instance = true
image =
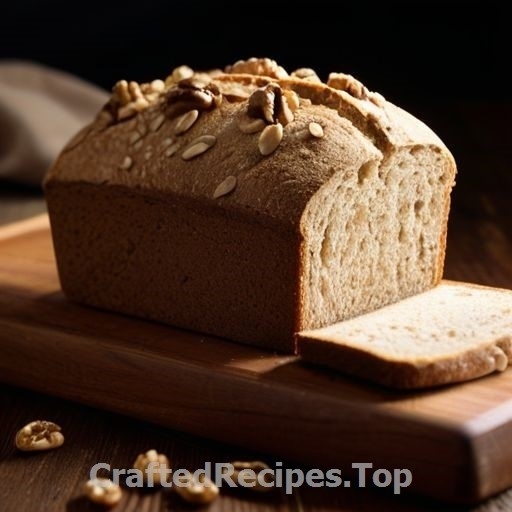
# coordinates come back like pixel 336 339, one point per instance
pixel 456 441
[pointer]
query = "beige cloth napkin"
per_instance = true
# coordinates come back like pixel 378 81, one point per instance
pixel 41 108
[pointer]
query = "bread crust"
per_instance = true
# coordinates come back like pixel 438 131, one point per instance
pixel 164 260
pixel 473 364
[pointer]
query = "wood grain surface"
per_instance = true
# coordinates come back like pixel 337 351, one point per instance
pixel 479 250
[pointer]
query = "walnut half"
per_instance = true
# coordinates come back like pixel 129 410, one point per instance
pixel 154 464
pixel 258 66
pixel 191 93
pixel 271 104
pixel 38 436
pixel 128 98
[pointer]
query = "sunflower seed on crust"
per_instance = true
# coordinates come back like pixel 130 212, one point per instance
pixel 126 164
pixel 198 146
pixel 225 187
pixel 185 121
pixel 316 130
pixel 207 139
pixel 270 138
pixel 195 150
pixel 248 125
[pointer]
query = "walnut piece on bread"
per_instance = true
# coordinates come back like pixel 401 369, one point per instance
pixel 258 66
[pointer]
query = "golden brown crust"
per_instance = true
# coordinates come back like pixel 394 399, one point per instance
pixel 473 364
pixel 176 261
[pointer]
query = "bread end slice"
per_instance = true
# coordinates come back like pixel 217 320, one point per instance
pixel 452 333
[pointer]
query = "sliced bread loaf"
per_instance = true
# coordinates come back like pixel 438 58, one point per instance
pixel 240 203
pixel 451 333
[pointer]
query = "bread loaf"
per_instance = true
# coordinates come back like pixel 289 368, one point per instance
pixel 451 333
pixel 249 203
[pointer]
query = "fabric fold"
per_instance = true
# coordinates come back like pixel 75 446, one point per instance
pixel 41 108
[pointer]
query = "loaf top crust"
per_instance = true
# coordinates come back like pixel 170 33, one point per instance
pixel 250 139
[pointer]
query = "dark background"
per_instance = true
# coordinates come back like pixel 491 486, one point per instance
pixel 412 52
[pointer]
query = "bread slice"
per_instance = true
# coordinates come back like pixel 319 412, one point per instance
pixel 454 332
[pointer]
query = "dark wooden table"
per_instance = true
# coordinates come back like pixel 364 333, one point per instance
pixel 479 250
